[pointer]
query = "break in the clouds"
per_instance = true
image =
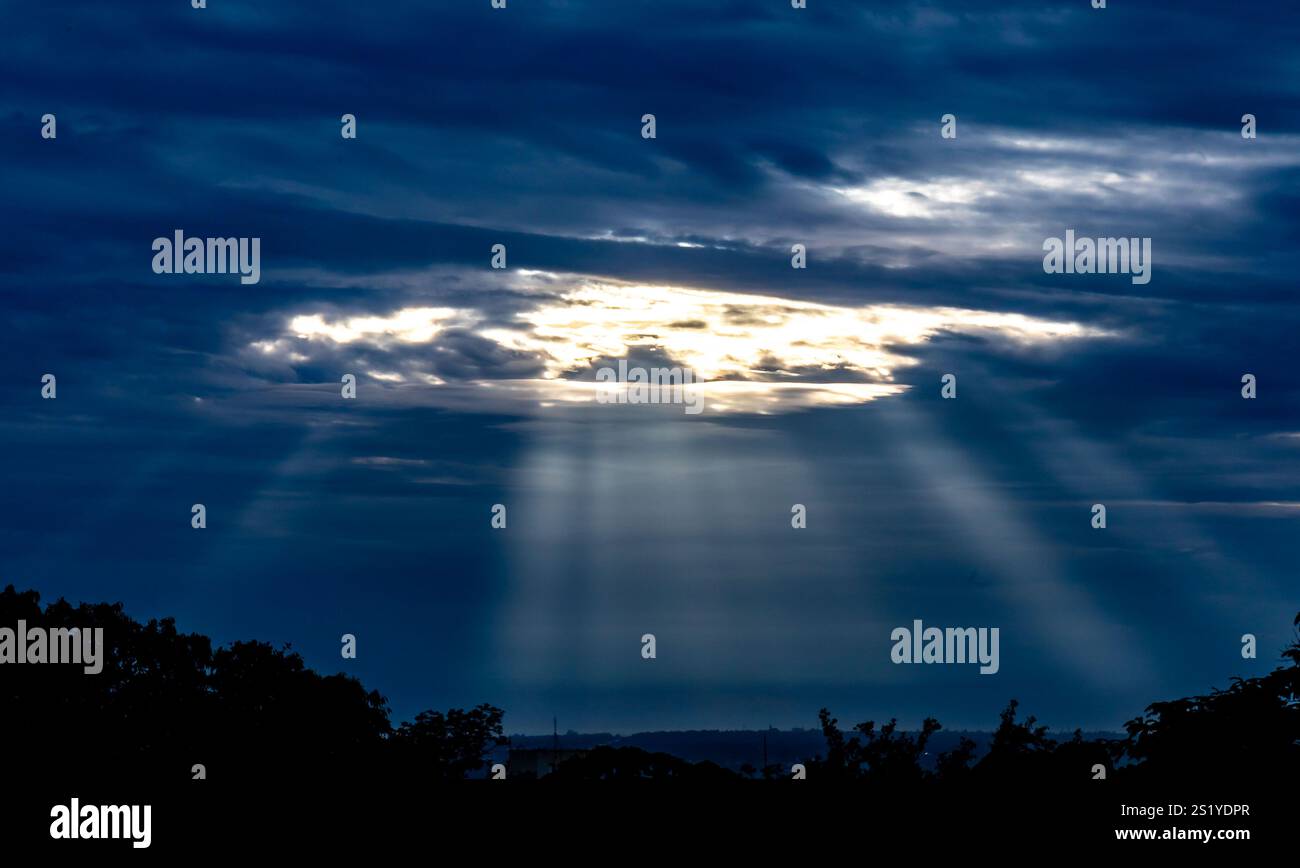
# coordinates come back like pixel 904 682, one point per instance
pixel 775 127
pixel 751 353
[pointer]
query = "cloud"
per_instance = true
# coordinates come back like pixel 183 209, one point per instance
pixel 754 353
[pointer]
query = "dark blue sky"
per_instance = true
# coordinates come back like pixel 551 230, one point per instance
pixel 775 127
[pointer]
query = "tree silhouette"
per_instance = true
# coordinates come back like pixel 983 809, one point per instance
pixel 882 756
pixel 1248 732
pixel 256 714
pixel 1251 728
pixel 954 765
pixel 450 746
pixel 248 712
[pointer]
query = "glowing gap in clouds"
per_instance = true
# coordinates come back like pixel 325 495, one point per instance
pixel 754 353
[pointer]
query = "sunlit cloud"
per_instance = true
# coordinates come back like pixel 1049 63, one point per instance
pixel 750 353
pixel 409 325
pixel 896 197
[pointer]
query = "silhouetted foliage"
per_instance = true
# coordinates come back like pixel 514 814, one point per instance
pixel 1249 726
pixel 250 712
pixel 1250 731
pixel 884 756
pixel 450 746
pixel 954 765
pixel 1018 749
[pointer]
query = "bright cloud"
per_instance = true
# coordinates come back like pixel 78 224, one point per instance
pixel 754 353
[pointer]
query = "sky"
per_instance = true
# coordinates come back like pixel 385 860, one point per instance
pixel 821 386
